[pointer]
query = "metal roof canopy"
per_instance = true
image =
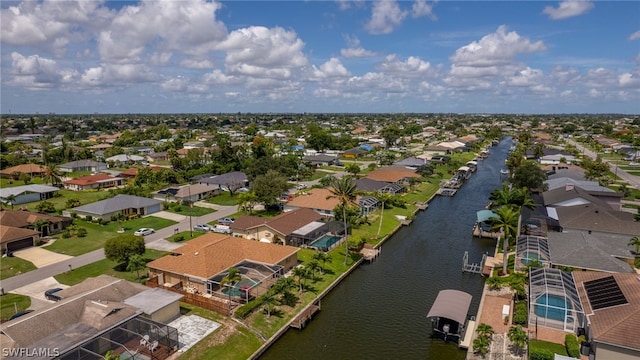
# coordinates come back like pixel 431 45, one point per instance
pixel 451 304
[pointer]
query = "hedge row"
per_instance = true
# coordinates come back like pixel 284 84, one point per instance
pixel 571 344
pixel 520 313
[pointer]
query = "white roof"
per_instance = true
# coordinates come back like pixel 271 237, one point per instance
pixel 34 188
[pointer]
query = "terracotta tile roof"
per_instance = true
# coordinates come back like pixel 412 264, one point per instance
pixel 245 222
pixel 315 199
pixel 10 233
pixel 19 218
pixel 616 325
pixel 391 174
pixel 132 172
pixel 90 179
pixel 210 254
pixel 24 168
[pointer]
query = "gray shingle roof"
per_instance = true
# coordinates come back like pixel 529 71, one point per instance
pixel 589 251
pixel 37 188
pixel 117 203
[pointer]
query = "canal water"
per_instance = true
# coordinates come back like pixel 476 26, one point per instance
pixel 379 311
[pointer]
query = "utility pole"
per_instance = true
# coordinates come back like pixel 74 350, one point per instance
pixel 190 211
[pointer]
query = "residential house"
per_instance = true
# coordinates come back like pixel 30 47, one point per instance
pixel 26 219
pixel 99 315
pixel 14 238
pixel 97 181
pixel 195 192
pixel 322 160
pixel 596 218
pixel 354 153
pixel 83 165
pixel 571 195
pixel 30 169
pixel 127 205
pixel 580 250
pixel 611 303
pixel 123 159
pixel 27 193
pixel 157 156
pixel 281 229
pixel 412 163
pixel 368 185
pixel 199 266
pixel 233 181
pixel 557 159
pixel 132 172
pixel 392 174
pixel 319 200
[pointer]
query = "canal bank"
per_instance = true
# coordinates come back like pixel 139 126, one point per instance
pixel 379 310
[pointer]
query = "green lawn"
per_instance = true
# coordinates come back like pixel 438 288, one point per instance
pixel 12 303
pixel 224 199
pixel 5 183
pixel 11 266
pixel 193 211
pixel 107 267
pixel 553 347
pixel 97 234
pixel 185 236
pixel 60 200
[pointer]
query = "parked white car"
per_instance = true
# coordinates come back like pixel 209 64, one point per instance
pixel 144 232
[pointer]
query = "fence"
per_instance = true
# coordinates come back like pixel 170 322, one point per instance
pixel 218 305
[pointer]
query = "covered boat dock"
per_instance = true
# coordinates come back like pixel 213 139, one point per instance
pixel 449 314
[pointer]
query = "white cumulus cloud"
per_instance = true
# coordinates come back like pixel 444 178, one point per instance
pixel 385 16
pixel 567 9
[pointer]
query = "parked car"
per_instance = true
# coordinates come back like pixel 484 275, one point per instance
pixel 20 313
pixel 51 294
pixel 225 221
pixel 144 232
pixel 301 186
pixel 633 163
pixel 202 227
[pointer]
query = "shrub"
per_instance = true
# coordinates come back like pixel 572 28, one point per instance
pixel 179 238
pixel 520 313
pixel 571 344
pixel 245 310
pixel 355 244
pixel 166 205
pixel 74 215
pixel 66 234
pixel 88 218
pixel 81 232
pixel 540 354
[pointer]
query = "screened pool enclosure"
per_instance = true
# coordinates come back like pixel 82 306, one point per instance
pixel 553 300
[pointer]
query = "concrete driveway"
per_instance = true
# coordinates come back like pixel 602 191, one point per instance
pixel 36 291
pixel 169 216
pixel 40 257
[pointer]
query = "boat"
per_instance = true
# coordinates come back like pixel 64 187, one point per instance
pixel 504 172
pixel 449 315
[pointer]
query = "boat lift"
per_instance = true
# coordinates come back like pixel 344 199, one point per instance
pixel 473 268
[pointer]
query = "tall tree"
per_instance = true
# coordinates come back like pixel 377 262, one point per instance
pixel 52 175
pixel 383 198
pixel 528 175
pixel 11 200
pixel 136 263
pixel 121 248
pixel 518 337
pixel 345 190
pixel 230 280
pixel 269 187
pixel 507 220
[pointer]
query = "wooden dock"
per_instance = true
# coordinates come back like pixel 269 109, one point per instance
pixel 369 253
pixel 301 320
pixel 421 205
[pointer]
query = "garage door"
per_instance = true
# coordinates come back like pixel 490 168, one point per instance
pixel 20 244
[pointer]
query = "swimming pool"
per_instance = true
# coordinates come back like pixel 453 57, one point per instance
pixel 530 257
pixel 240 288
pixel 325 242
pixel 554 307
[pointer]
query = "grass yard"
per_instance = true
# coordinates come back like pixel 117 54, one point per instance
pixel 194 211
pixel 85 197
pixel 12 302
pixel 107 267
pixel 5 182
pixel 224 199
pixel 546 345
pixel 185 236
pixel 97 234
pixel 11 266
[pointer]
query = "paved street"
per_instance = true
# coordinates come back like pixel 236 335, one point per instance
pixel 634 181
pixel 33 276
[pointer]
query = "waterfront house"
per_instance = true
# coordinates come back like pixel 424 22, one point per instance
pixel 83 165
pixel 199 266
pixel 281 229
pixel 27 193
pixel 611 303
pixel 99 315
pixel 596 217
pixel 97 181
pixel 368 185
pixel 393 175
pixel 319 200
pixel 581 250
pixel 128 205
pixel 571 195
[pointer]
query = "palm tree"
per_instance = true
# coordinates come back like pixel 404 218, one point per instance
pixel 52 175
pixel 39 224
pixel 494 283
pixel 345 190
pixel 635 242
pixel 485 330
pixel 313 265
pixel 383 198
pixel 481 346
pixel 233 277
pixel 269 301
pixel 321 257
pixel 136 263
pixel 247 201
pixel 300 274
pixel 11 200
pixel 518 337
pixel 507 220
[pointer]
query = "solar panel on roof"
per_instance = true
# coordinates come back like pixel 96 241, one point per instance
pixel 604 293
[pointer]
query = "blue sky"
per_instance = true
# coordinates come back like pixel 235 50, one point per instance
pixel 320 56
